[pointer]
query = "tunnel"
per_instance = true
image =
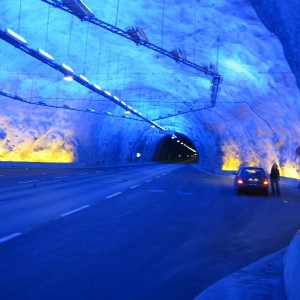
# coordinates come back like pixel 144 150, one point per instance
pixel 236 99
pixel 176 148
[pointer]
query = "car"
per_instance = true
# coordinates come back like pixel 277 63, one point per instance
pixel 251 180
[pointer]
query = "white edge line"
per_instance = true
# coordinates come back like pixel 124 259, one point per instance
pixel 113 195
pixel 148 180
pixel 135 186
pixel 74 211
pixel 29 181
pixel 9 237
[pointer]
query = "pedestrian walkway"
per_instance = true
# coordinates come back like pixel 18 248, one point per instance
pixel 262 280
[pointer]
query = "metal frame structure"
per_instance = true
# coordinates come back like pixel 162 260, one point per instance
pixel 20 43
pixel 80 10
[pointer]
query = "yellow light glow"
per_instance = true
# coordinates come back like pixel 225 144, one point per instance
pixel 290 170
pixel 231 159
pixel 35 144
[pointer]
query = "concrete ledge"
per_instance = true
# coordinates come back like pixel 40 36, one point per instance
pixel 292 269
pixel 261 280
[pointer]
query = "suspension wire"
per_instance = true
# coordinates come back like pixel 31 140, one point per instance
pixel 98 66
pixel 19 21
pixel 162 26
pixel 195 30
pixel 117 14
pixel 218 52
pixel 47 30
pixel 86 43
pixel 69 46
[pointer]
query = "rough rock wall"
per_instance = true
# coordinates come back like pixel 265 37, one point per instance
pixel 283 19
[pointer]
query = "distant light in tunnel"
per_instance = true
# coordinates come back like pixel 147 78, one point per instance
pixel 45 54
pixel 15 36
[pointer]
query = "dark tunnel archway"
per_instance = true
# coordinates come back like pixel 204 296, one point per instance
pixel 176 148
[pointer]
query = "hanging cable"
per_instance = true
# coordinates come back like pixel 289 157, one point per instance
pixel 162 25
pixel 116 21
pixel 47 30
pixel 98 66
pixel 19 21
pixel 86 43
pixel 69 46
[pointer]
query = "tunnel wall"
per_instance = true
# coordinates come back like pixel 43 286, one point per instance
pixel 282 18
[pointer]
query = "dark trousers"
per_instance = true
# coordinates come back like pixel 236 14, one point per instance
pixel 275 186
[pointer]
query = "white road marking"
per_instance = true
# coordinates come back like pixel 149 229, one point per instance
pixel 134 186
pixel 9 237
pixel 157 176
pixel 80 174
pixel 113 195
pixel 99 171
pixel 57 177
pixel 29 181
pixel 148 180
pixel 155 191
pixel 74 211
pixel 184 193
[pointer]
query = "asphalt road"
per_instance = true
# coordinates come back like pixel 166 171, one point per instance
pixel 144 232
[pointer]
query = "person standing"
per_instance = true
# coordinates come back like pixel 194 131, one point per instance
pixel 275 177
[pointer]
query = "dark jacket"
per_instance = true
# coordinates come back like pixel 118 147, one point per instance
pixel 274 173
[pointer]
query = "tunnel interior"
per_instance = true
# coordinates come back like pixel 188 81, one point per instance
pixel 176 148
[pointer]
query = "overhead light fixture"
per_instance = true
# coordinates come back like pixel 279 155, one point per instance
pixel 97 87
pixel 15 36
pixel 107 93
pixel 142 34
pixel 67 68
pixel 90 110
pixel 84 78
pixel 45 54
pixel 78 7
pixel 117 98
pixel 68 78
pixel 133 34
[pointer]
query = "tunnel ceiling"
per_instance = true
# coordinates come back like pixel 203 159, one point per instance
pixel 256 116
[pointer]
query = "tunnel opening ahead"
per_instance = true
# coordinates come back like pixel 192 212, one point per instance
pixel 176 148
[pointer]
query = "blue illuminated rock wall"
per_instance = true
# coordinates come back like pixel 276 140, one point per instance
pixel 256 117
pixel 282 18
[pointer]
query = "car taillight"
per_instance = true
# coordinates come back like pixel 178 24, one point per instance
pixel 265 182
pixel 240 181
